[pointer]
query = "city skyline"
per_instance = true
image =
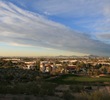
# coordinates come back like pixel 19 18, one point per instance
pixel 54 27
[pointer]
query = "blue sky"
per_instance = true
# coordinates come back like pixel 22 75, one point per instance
pixel 54 27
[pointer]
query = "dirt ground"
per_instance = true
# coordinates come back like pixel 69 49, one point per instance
pixel 27 97
pixel 58 94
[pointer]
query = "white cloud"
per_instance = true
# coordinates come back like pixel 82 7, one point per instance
pixel 20 45
pixel 70 7
pixel 93 15
pixel 21 27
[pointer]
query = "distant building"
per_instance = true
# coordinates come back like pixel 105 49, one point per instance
pixel 30 65
pixel 12 59
pixel 71 69
pixel 47 66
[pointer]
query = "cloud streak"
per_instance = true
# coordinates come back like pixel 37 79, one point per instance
pixel 74 8
pixel 91 15
pixel 22 27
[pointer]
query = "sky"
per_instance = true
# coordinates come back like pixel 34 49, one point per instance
pixel 54 27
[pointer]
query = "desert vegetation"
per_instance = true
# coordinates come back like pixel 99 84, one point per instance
pixel 64 87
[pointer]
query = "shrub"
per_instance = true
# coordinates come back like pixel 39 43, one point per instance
pixel 77 88
pixel 97 95
pixel 68 96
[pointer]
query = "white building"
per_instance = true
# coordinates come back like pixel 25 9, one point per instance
pixel 30 65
